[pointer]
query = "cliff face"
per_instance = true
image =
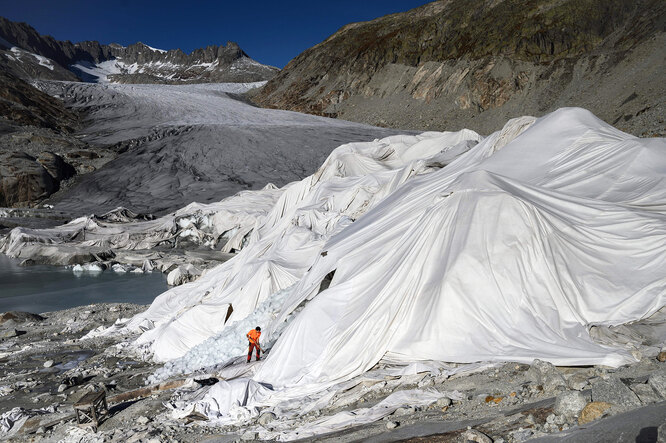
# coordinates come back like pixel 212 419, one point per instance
pixel 29 54
pixel 446 65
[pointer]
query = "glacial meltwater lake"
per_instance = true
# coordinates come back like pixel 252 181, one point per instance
pixel 42 288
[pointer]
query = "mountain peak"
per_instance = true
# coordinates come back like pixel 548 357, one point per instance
pixel 135 63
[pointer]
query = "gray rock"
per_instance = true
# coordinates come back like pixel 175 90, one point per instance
pixel 615 392
pixel 9 333
pixel 143 420
pixel 578 382
pixel 661 434
pixel 62 387
pixel 476 436
pixel 392 425
pixel 569 404
pixel 521 435
pixel 23 180
pixel 404 411
pixel 658 383
pixel 56 166
pixel 545 374
pixel 249 436
pixel 266 418
pixel 645 393
pixel 444 401
pixel 48 363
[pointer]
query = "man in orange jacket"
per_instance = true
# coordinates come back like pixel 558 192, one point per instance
pixel 253 337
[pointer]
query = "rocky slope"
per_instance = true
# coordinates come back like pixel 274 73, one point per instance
pixel 446 65
pixel 30 54
pixel 37 129
pixel 38 149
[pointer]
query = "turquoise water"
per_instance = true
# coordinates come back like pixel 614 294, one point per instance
pixel 42 288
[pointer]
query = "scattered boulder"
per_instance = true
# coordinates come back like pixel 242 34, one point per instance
pixel 546 374
pixel 19 317
pixel 521 435
pixel 578 381
pixel 661 434
pixel 48 363
pixel 183 274
pixel 615 392
pixel 392 424
pixel 569 404
pixel 56 166
pixel 475 436
pixel 404 411
pixel 593 411
pixel 249 436
pixel 443 402
pixel 23 180
pixel 10 333
pixel 645 393
pixel 143 420
pixel 266 418
pixel 658 383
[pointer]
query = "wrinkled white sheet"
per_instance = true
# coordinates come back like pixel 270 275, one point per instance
pixel 227 221
pixel 507 254
pixel 360 416
pixel 284 244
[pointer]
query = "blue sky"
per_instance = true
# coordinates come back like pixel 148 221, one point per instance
pixel 271 32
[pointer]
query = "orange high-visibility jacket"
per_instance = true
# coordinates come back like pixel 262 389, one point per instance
pixel 253 336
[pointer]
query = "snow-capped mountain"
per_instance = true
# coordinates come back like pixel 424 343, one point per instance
pixel 28 54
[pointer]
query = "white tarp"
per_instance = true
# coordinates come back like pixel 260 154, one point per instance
pixel 284 244
pixel 507 255
pixel 206 224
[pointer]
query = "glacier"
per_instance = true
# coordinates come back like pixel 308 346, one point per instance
pixel 438 247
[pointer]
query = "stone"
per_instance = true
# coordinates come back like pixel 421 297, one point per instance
pixel 658 383
pixel 392 425
pixel 645 393
pixel 266 418
pixel 476 436
pixel 56 166
pixel 593 411
pixel 62 387
pixel 23 180
pixel 183 274
pixel 546 374
pixel 615 392
pixel 661 434
pixel 404 411
pixel 521 435
pixel 249 436
pixel 570 403
pixel 143 420
pixel 9 333
pixel 48 363
pixel 661 356
pixel 444 401
pixel 578 382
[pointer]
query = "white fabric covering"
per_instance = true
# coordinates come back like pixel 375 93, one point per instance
pixel 506 254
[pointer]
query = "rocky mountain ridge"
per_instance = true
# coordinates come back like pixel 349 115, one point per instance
pixel 37 56
pixel 445 65
pixel 40 150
